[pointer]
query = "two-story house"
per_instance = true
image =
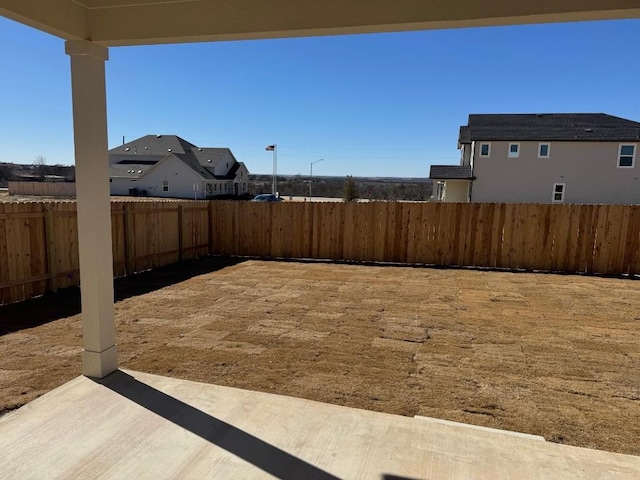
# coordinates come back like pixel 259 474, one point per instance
pixel 169 166
pixel 543 158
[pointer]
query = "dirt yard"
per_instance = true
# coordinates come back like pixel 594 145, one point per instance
pixel 552 355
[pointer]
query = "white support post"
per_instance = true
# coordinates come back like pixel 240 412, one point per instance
pixel 100 356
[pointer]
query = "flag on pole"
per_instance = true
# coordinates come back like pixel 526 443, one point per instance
pixel 270 148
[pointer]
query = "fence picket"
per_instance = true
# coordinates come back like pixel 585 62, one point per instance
pixel 617 233
pixel 590 248
pixel 560 236
pixel 5 293
pixel 632 244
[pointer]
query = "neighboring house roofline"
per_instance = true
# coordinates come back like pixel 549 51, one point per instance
pixel 568 127
pixel 451 172
pixel 464 137
pixel 154 145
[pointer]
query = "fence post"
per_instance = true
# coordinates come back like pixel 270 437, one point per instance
pixel 180 232
pixel 50 241
pixel 210 221
pixel 129 239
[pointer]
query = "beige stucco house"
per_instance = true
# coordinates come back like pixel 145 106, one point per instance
pixel 543 158
pixel 169 166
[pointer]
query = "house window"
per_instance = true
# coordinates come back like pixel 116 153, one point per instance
pixel 165 185
pixel 626 156
pixel 514 150
pixel 485 149
pixel 558 192
pixel 544 150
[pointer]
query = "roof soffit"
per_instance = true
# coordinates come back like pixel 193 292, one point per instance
pixel 63 18
pixel 132 22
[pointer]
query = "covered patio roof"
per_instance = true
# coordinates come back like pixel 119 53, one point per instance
pixel 137 22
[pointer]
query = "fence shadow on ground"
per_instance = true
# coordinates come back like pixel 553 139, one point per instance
pixel 66 302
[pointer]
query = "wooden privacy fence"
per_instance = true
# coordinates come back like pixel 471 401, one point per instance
pixel 43 189
pixel 39 240
pixel 562 238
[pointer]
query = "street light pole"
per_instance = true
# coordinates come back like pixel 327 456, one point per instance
pixel 274 187
pixel 311 176
pixel 274 183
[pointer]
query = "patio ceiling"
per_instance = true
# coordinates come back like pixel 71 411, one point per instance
pixel 137 22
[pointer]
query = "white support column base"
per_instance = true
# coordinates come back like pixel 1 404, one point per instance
pixel 99 364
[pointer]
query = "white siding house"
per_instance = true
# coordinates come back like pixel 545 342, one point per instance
pixel 169 166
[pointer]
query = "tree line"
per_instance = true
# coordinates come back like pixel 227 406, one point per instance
pixel 35 172
pixel 389 189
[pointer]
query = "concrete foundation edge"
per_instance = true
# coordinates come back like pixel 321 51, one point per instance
pixel 478 427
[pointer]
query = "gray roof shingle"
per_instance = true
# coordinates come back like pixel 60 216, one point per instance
pixel 596 127
pixel 155 145
pixel 128 170
pixel 450 172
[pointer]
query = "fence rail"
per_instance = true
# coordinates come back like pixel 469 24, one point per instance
pixel 39 245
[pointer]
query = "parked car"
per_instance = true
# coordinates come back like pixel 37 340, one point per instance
pixel 266 197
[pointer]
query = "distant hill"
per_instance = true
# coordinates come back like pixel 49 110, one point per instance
pixel 375 188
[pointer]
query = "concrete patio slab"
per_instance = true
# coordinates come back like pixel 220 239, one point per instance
pixel 136 425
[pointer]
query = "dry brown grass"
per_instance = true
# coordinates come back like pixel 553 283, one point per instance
pixel 552 355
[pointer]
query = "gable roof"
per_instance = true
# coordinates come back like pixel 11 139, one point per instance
pixel 596 127
pixel 140 155
pixel 155 145
pixel 204 155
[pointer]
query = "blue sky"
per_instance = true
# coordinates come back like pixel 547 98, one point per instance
pixel 370 105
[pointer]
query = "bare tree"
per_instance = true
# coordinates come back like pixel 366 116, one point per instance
pixel 39 166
